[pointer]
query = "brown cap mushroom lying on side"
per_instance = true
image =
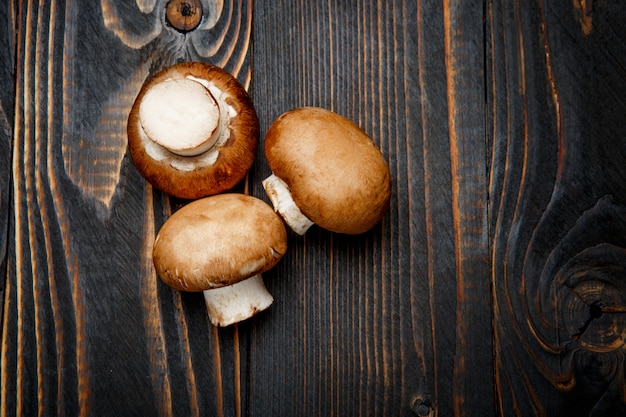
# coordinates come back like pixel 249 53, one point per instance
pixel 193 130
pixel 220 245
pixel 325 171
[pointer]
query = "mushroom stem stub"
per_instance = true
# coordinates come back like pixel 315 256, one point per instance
pixel 180 115
pixel 280 196
pixel 237 302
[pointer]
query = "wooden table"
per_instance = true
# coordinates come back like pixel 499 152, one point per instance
pixel 495 285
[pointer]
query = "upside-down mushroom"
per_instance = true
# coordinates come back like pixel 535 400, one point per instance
pixel 325 171
pixel 193 130
pixel 221 245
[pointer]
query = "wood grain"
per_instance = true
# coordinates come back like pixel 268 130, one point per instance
pixel 493 286
pixel 556 73
pixel 382 320
pixel 88 329
pixel 6 116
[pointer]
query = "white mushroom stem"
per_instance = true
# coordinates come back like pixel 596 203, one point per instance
pixel 283 203
pixel 181 115
pixel 237 302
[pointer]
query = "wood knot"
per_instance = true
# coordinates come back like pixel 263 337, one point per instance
pixel 184 15
pixel 422 407
pixel 594 312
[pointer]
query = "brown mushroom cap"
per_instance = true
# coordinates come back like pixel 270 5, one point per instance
pixel 337 176
pixel 218 241
pixel 215 170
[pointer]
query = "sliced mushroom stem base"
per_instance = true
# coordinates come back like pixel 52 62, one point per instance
pixel 237 302
pixel 283 203
pixel 182 116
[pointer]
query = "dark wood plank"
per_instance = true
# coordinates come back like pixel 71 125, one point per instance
pixel 7 98
pixel 380 324
pixel 377 324
pixel 494 286
pixel 88 329
pixel 557 83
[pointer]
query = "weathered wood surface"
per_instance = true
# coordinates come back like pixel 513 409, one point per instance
pixel 494 286
pixel 6 116
pixel 557 79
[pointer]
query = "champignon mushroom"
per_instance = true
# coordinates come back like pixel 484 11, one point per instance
pixel 193 130
pixel 221 245
pixel 325 171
